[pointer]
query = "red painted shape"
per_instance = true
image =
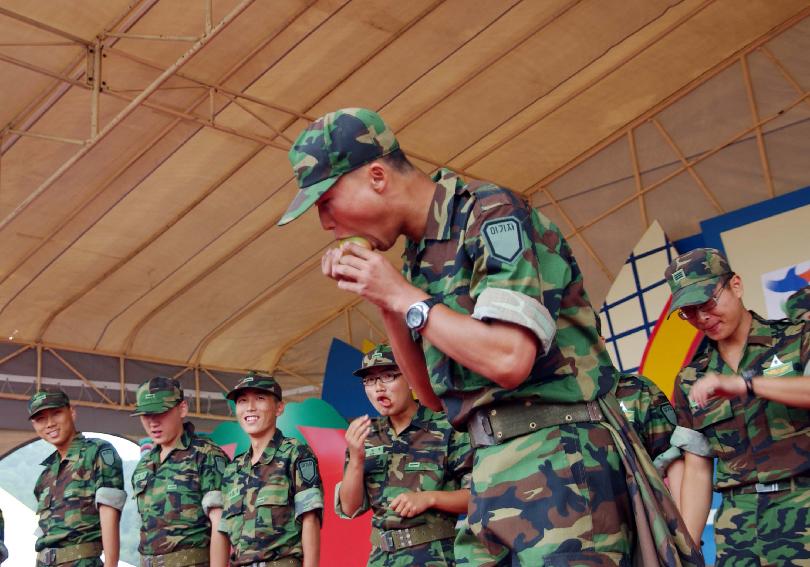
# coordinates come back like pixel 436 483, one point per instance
pixel 230 449
pixel 343 542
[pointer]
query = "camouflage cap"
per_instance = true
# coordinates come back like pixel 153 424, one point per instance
pixel 47 398
pixel 256 381
pixel 336 143
pixel 381 356
pixel 798 304
pixel 158 395
pixel 693 277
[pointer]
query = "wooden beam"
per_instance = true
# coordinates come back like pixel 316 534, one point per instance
pixel 752 104
pixel 81 376
pixel 642 206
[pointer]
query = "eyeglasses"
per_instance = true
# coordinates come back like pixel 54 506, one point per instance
pixel 691 311
pixel 384 378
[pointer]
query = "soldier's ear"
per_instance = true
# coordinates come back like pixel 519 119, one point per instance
pixel 183 409
pixel 279 408
pixel 378 176
pixel 73 413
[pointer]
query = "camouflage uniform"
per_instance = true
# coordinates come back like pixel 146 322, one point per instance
pixel 561 493
pixel 759 445
pixel 3 550
pixel 650 413
pixel 797 305
pixel 174 496
pixel 427 455
pixel 264 502
pixel 70 490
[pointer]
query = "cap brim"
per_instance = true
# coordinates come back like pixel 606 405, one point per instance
pixel 360 372
pixel 305 198
pixel 694 294
pixel 48 406
pixel 232 395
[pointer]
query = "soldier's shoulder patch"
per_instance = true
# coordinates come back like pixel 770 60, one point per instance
pixel 307 470
pixel 504 238
pixel 107 456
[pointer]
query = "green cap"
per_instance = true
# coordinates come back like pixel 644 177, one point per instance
pixel 693 277
pixel 158 395
pixel 336 143
pixel 47 398
pixel 256 381
pixel 381 356
pixel 798 304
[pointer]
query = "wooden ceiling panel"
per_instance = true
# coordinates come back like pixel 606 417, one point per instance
pixel 83 19
pixel 636 86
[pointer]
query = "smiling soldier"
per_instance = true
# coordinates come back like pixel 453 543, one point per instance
pixel 80 493
pixel 273 491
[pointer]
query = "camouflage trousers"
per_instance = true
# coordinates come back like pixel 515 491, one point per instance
pixel 763 529
pixel 557 496
pixel 432 554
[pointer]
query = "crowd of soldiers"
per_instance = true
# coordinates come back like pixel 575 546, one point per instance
pixel 505 436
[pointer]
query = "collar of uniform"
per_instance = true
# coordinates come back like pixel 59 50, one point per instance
pixel 761 332
pixel 421 419
pixel 269 451
pixel 185 440
pixel 448 185
pixel 73 452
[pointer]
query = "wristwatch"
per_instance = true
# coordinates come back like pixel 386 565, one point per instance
pixel 417 314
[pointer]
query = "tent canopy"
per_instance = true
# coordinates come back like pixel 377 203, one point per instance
pixel 144 165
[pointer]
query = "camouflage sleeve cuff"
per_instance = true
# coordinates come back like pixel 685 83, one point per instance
pixel 113 497
pixel 339 511
pixel 3 552
pixel 691 441
pixel 515 307
pixel 212 499
pixel 665 459
pixel 308 500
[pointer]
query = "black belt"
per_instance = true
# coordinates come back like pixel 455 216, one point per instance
pixel 496 423
pixel 790 484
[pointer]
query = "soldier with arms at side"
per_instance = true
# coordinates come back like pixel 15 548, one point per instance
pixel 177 484
pixel 410 467
pixel 743 400
pixel 273 491
pixel 489 319
pixel 80 494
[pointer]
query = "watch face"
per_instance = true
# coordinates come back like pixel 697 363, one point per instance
pixel 414 318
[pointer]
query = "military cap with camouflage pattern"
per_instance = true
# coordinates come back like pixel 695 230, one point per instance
pixel 381 356
pixel 158 395
pixel 693 277
pixel 47 398
pixel 798 304
pixel 256 381
pixel 336 143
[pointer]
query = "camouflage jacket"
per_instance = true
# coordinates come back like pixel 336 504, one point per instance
pixel 174 496
pixel 69 491
pixel 427 455
pixel 264 502
pixel 754 440
pixel 487 253
pixel 649 412
pixel 3 550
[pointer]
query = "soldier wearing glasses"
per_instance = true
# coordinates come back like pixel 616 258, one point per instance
pixel 409 467
pixel 739 400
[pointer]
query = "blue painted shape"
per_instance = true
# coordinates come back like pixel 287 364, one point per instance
pixel 689 243
pixel 341 388
pixel 713 228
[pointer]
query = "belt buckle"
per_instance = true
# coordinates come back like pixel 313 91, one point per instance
pixel 771 487
pixel 387 542
pixel 48 556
